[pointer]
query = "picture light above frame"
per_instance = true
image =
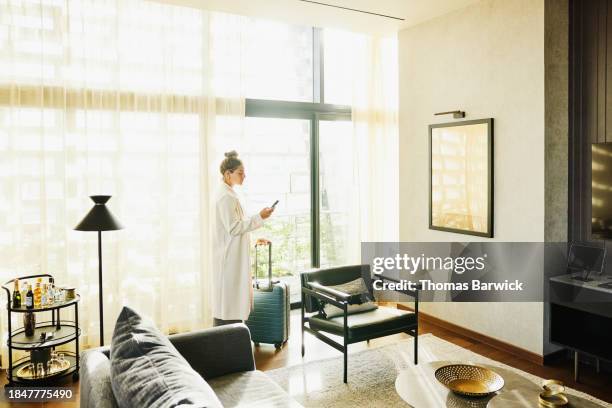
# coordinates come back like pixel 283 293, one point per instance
pixel 457 114
pixel 461 177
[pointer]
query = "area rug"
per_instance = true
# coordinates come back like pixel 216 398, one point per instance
pixel 372 374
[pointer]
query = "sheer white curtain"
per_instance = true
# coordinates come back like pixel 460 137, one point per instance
pixel 139 100
pixel 366 77
pixel 118 98
pixel 376 137
pixel 226 113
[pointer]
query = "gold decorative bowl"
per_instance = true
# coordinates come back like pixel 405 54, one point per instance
pixel 469 380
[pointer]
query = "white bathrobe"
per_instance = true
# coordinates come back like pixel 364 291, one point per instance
pixel 232 285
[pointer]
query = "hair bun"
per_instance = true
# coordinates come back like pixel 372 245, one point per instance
pixel 232 154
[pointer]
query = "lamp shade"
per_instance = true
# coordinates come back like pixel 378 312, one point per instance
pixel 99 218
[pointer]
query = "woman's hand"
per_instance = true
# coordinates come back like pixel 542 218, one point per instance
pixel 266 212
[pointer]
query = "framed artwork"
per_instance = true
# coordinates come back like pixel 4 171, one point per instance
pixel 461 177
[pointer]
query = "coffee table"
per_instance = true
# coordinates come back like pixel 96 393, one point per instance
pixel 517 398
pixel 418 386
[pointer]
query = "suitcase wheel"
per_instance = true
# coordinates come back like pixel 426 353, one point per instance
pixel 256 344
pixel 278 345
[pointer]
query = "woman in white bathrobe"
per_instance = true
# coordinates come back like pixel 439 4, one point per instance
pixel 232 286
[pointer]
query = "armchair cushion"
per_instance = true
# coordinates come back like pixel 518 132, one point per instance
pixel 354 287
pixel 364 325
pixel 331 276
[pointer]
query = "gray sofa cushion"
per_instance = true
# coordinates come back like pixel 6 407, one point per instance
pixel 147 371
pixel 251 389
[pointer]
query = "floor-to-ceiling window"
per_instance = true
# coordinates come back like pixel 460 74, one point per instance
pixel 335 181
pixel 278 155
pixel 296 144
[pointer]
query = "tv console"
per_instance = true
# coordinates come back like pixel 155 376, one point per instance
pixel 581 316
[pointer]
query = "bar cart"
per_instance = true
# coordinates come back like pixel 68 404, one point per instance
pixel 23 371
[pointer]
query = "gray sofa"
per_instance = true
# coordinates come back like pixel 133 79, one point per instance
pixel 223 356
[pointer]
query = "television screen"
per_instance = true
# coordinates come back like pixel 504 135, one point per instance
pixel 601 191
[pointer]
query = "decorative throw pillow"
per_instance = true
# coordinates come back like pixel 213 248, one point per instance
pixel 354 287
pixel 147 371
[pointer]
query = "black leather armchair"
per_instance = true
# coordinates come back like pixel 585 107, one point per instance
pixel 352 327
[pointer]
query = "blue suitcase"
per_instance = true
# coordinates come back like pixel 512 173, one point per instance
pixel 269 319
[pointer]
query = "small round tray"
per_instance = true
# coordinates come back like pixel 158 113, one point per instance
pixel 25 373
pixel 469 380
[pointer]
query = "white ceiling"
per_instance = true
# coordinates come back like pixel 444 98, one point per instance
pixel 298 12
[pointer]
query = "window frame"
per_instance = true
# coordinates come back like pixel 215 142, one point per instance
pixel 314 111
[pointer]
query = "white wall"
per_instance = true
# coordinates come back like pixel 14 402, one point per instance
pixel 488 60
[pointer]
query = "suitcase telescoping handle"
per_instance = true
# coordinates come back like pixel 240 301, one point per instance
pixel 263 242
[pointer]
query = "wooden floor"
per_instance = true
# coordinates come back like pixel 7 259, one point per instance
pixel 268 358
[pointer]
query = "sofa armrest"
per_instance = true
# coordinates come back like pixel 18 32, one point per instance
pixel 217 351
pixel 95 390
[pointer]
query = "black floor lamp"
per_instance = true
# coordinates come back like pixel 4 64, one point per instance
pixel 99 218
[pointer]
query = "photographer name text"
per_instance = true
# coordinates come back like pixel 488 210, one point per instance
pixel 425 284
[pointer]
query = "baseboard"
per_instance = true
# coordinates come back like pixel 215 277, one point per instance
pixel 482 338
